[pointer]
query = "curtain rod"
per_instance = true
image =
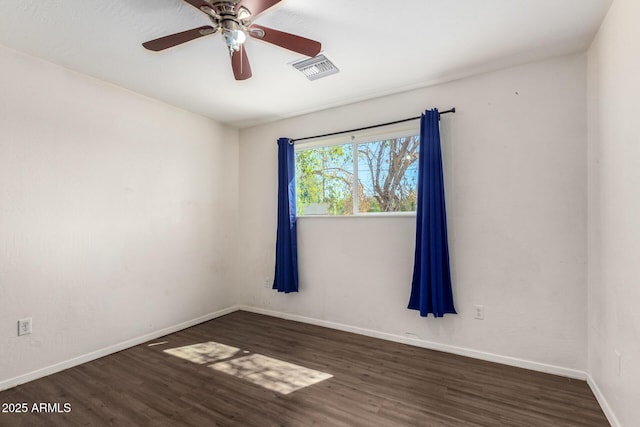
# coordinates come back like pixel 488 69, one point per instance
pixel 452 110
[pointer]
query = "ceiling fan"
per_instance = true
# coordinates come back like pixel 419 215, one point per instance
pixel 233 19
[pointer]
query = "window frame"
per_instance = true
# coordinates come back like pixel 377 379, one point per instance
pixel 356 138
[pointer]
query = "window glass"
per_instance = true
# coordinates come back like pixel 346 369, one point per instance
pixel 381 178
pixel 324 180
pixel 388 175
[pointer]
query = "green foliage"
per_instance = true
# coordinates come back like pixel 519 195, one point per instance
pixel 324 176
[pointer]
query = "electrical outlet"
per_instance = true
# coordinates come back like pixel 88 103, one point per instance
pixel 479 311
pixel 268 283
pixel 24 326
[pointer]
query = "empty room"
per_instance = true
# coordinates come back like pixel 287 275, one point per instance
pixel 319 213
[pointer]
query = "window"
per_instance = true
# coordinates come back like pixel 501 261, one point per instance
pixel 370 174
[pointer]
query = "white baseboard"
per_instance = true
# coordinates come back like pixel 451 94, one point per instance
pixel 21 379
pixel 461 351
pixel 606 408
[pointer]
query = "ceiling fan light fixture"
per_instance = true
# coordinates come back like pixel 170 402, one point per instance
pixel 234 39
pixel 233 35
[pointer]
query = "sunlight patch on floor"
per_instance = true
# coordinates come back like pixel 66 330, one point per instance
pixel 272 374
pixel 205 352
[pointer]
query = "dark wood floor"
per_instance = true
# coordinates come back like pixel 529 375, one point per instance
pixel 375 383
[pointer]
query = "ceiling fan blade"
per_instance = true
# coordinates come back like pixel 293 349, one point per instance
pixel 288 41
pixel 256 7
pixel 240 64
pixel 178 38
pixel 198 3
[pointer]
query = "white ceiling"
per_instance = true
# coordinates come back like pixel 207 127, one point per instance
pixel 381 47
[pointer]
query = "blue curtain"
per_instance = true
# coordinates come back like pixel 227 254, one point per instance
pixel 431 284
pixel 286 275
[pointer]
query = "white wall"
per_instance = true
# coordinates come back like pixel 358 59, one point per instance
pixel 515 171
pixel 614 210
pixel 117 214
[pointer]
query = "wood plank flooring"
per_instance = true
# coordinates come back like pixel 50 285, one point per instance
pixel 374 383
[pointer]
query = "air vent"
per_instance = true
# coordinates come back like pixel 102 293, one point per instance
pixel 316 68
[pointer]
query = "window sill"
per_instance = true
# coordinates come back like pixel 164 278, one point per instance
pixel 365 215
